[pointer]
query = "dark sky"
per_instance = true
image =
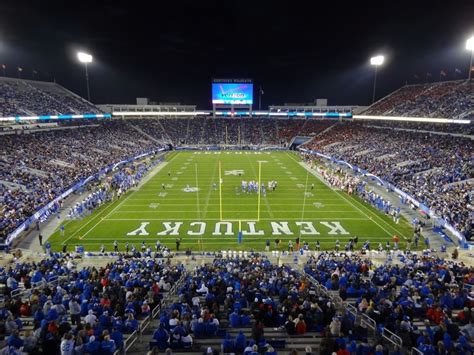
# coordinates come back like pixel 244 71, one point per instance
pixel 297 50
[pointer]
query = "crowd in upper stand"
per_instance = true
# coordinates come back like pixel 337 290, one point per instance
pixel 37 167
pixel 88 311
pixel 451 99
pixel 254 131
pixel 255 294
pixel 30 98
pixel 427 301
pixel 434 169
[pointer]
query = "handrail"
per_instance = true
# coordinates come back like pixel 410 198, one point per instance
pixel 392 337
pixel 53 281
pixel 144 324
pixel 415 351
pixel 132 339
pixel 368 321
pixel 155 311
pixel 147 321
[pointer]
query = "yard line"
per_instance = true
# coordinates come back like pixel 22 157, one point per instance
pixel 210 191
pixel 225 220
pixel 197 192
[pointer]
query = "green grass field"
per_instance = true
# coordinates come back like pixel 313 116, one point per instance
pixel 209 217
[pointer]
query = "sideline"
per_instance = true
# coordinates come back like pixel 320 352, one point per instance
pixel 147 178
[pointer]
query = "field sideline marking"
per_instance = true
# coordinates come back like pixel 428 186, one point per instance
pixel 138 189
pixel 92 219
pixel 362 205
pixel 380 218
pixel 357 208
pixel 108 214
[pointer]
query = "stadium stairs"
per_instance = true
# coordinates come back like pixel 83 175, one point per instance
pixel 139 130
pixel 277 337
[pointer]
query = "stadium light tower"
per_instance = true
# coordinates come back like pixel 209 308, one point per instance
pixel 376 62
pixel 470 47
pixel 85 58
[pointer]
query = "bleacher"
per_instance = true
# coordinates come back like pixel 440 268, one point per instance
pixel 275 336
pixel 33 98
pixel 449 99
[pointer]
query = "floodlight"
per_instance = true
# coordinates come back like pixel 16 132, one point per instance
pixel 470 44
pixel 377 60
pixel 84 57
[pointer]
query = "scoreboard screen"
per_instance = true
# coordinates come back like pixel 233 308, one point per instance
pixel 236 93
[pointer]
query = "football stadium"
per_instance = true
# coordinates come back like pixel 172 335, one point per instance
pixel 217 222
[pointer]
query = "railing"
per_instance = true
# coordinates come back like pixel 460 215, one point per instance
pixel 53 281
pixel 364 318
pixel 128 343
pixel 415 351
pixel 132 339
pixel 321 289
pixel 387 335
pixel 391 337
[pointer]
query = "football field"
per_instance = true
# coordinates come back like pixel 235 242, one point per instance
pixel 198 197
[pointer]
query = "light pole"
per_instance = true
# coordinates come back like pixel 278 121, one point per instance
pixel 376 62
pixel 85 58
pixel 470 47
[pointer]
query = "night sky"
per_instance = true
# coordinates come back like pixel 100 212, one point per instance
pixel 296 50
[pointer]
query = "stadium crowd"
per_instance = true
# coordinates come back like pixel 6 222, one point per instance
pixel 253 293
pixel 37 167
pixel 30 98
pixel 450 99
pixel 434 169
pixel 425 300
pixel 232 131
pixel 85 310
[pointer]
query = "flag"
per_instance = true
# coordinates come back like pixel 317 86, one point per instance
pixel 20 69
pixel 428 75
pixel 442 73
pixel 35 72
pixel 456 70
pixel 4 66
pixel 261 91
pixel 416 76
